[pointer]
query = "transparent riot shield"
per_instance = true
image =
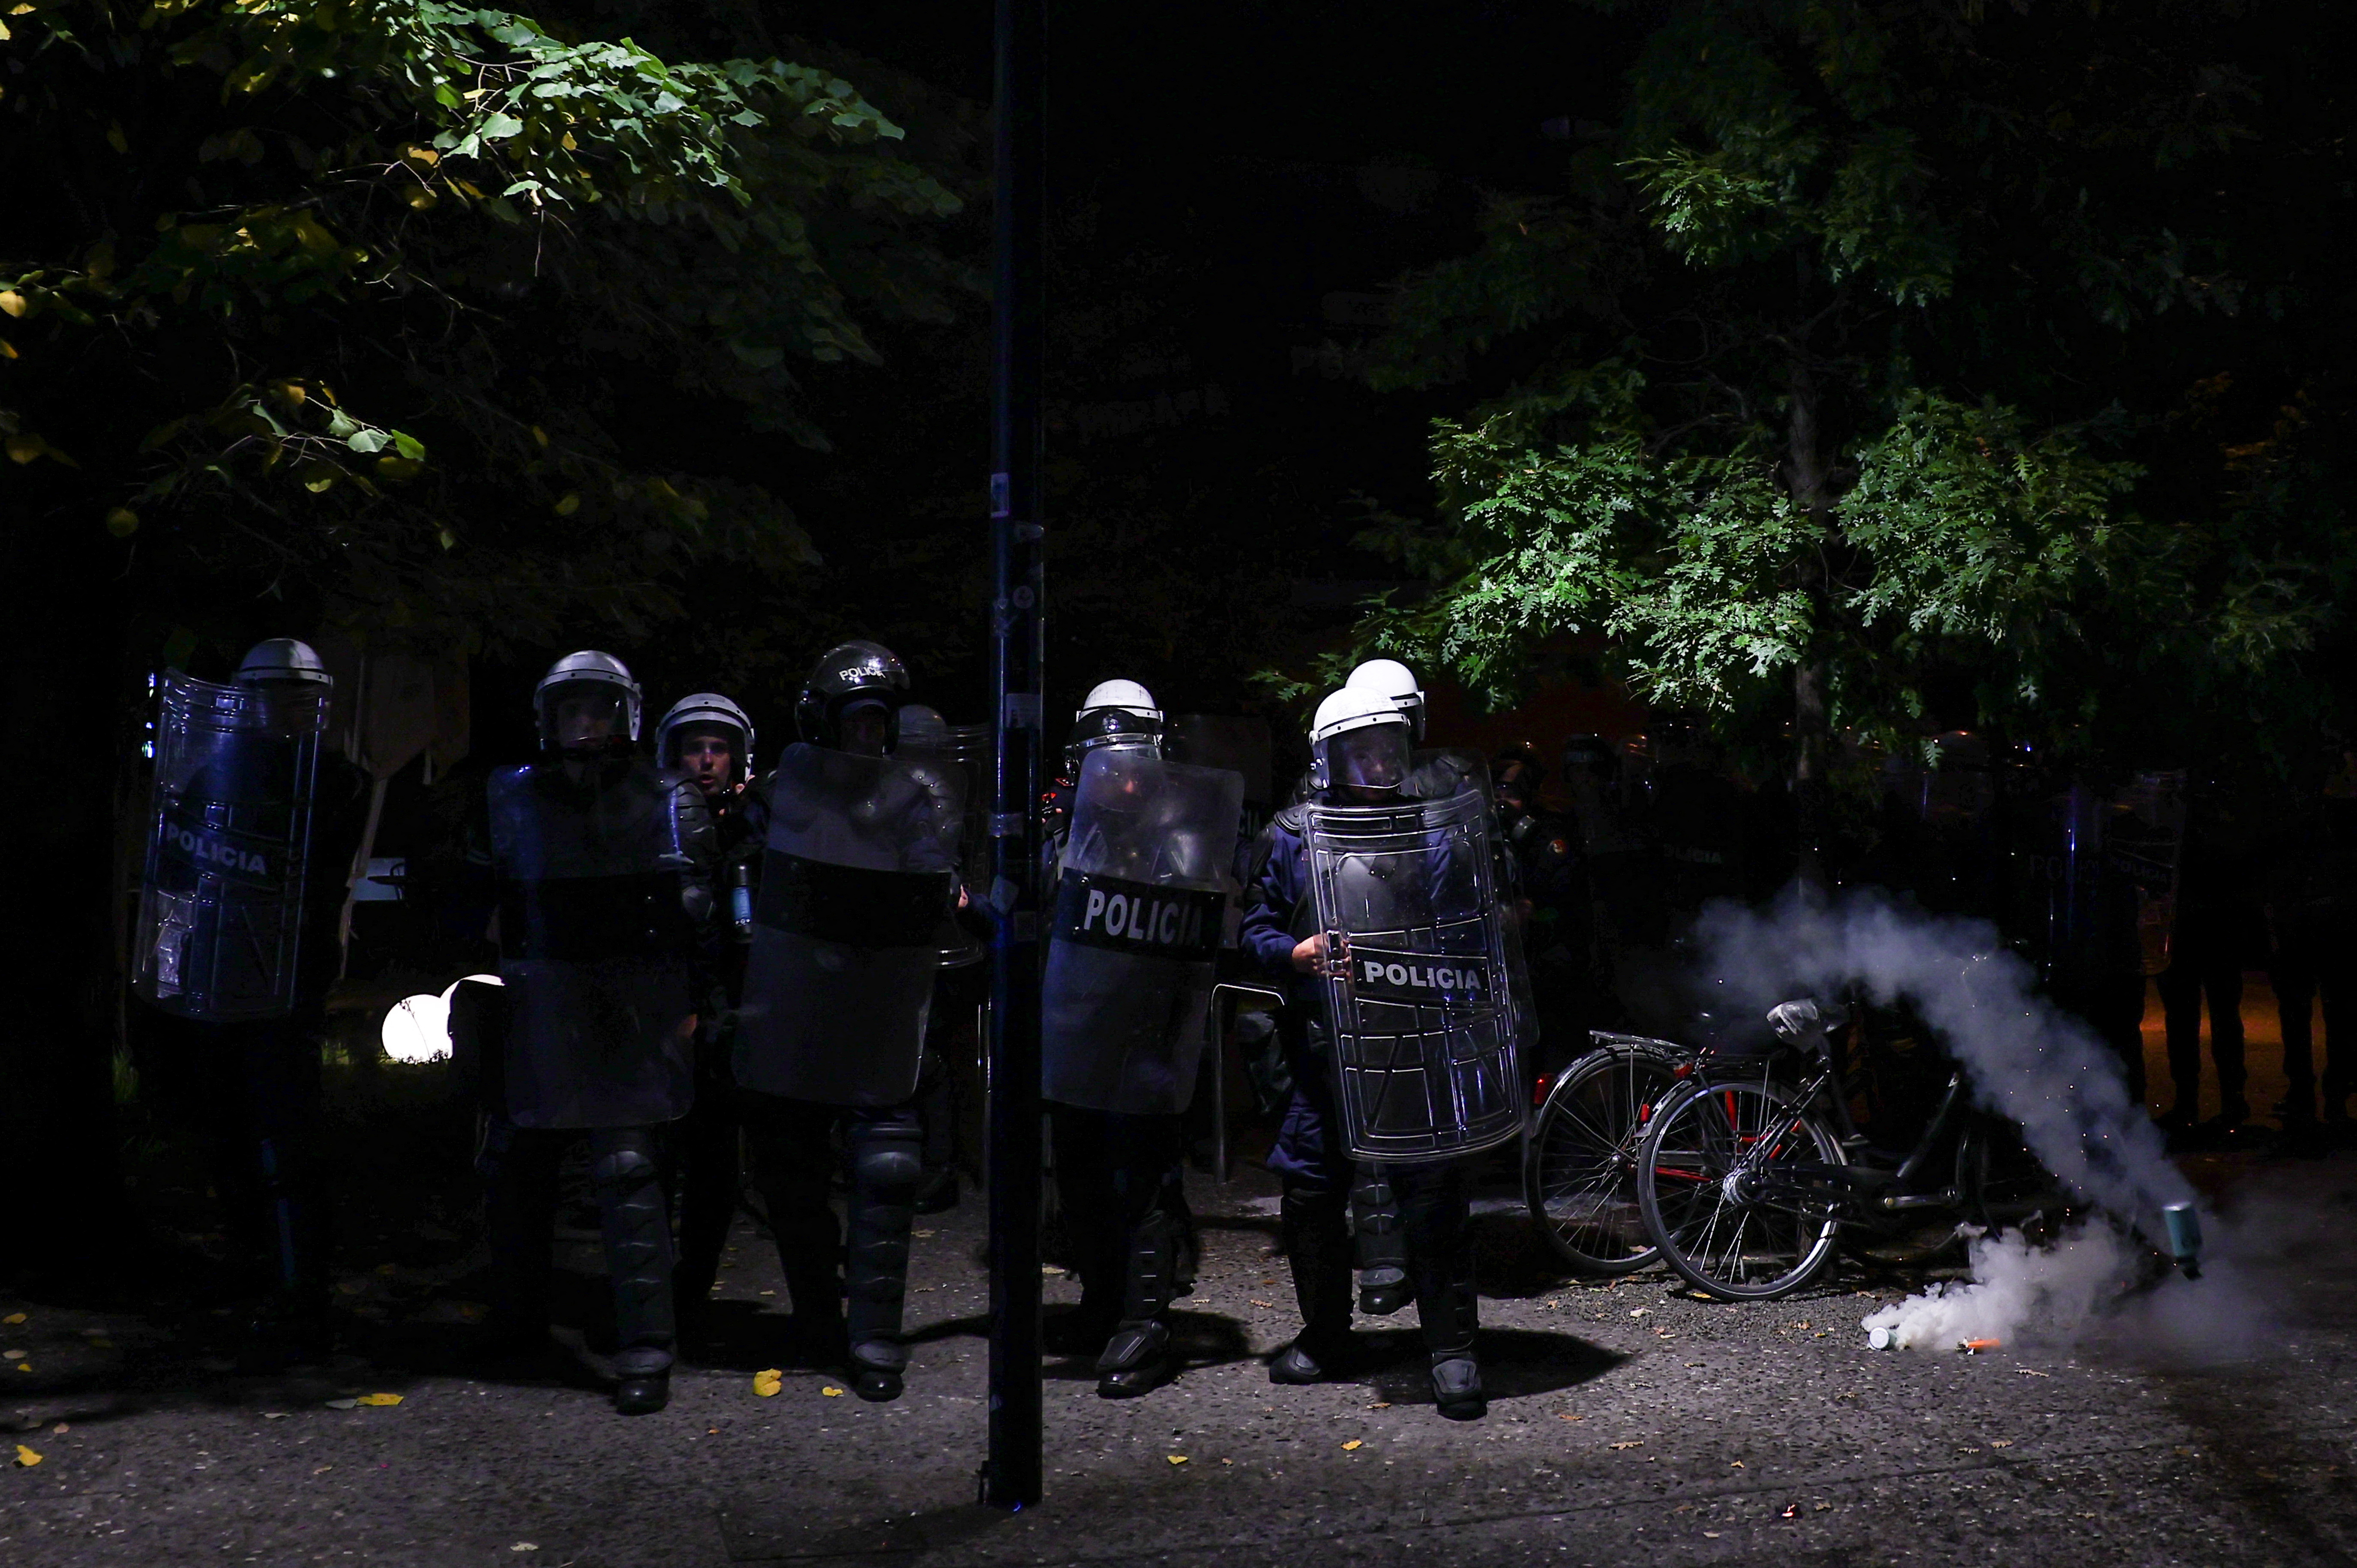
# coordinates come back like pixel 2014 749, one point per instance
pixel 596 949
pixel 1141 909
pixel 1425 1055
pixel 1435 773
pixel 860 870
pixel 960 755
pixel 221 895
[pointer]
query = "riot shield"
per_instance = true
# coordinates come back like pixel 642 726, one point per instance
pixel 1435 773
pixel 957 756
pixel 1141 899
pixel 858 871
pixel 1425 1055
pixel 596 947
pixel 221 895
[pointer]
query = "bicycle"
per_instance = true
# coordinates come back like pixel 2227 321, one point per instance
pixel 1746 1183
pixel 1580 1170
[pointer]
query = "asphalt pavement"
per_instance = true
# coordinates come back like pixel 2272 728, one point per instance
pixel 1629 1422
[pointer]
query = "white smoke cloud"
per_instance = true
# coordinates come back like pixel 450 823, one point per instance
pixel 2017 1294
pixel 2026 1058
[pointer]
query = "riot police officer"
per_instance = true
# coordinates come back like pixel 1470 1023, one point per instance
pixel 254 828
pixel 1360 747
pixel 602 860
pixel 709 739
pixel 1141 876
pixel 858 870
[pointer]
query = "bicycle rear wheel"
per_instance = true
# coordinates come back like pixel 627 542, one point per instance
pixel 1741 1190
pixel 2001 1185
pixel 1579 1179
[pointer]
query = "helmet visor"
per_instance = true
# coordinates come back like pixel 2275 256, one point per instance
pixel 585 714
pixel 1375 758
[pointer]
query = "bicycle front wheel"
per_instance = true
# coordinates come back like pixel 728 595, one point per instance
pixel 1741 1190
pixel 1581 1182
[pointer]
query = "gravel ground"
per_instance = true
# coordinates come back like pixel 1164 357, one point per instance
pixel 1629 1420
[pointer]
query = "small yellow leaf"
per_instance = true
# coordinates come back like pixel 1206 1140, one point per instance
pixel 565 507
pixel 291 394
pixel 11 302
pixel 425 156
pixel 26 1457
pixel 1354 1446
pixel 380 1398
pixel 540 436
pixel 7 350
pixel 567 143
pixel 12 1319
pixel 25 448
pixel 1178 1458
pixel 319 482
pixel 422 199
pixel 115 138
pixel 832 1392
pixel 766 1383
pixel 24 1366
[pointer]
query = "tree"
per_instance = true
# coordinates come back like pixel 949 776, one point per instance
pixel 427 322
pixel 1848 380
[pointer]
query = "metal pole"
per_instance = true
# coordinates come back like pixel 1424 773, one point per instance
pixel 1011 1478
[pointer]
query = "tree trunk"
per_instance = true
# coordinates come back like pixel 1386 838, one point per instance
pixel 1805 477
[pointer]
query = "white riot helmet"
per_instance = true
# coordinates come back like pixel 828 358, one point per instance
pixel 1361 739
pixel 1396 682
pixel 282 660
pixel 593 675
pixel 1115 712
pixel 706 710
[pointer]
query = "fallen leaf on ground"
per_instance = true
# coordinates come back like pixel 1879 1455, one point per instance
pixel 24 1366
pixel 61 1429
pixel 12 1319
pixel 323 1469
pixel 2028 1372
pixel 1737 1463
pixel 1566 1415
pixel 380 1398
pixel 274 1415
pixel 1354 1446
pixel 25 1457
pixel 13 1355
pixel 1710 1535
pixel 768 1381
pixel 1269 1304
pixel 343 1405
pixel 832 1392
pixel 525 1546
pixel 1178 1458
pixel 1632 1443
pixel 1381 1404
pixel 2000 1442
pixel 919 1233
pixel 768 1293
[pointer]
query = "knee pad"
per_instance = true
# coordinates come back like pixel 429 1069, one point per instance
pixel 627 1165
pixel 890 1168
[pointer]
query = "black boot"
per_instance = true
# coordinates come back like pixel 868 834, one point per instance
pixel 1137 1359
pixel 1434 1218
pixel 1317 1245
pixel 887 1164
pixel 636 1221
pixel 1383 1286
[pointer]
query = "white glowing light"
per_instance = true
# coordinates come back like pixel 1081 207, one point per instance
pixel 417 1029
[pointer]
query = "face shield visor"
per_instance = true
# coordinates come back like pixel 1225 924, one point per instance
pixel 1371 760
pixel 705 751
pixel 865 727
pixel 585 716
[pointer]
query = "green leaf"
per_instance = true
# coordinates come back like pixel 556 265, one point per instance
pixel 366 441
pixel 408 445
